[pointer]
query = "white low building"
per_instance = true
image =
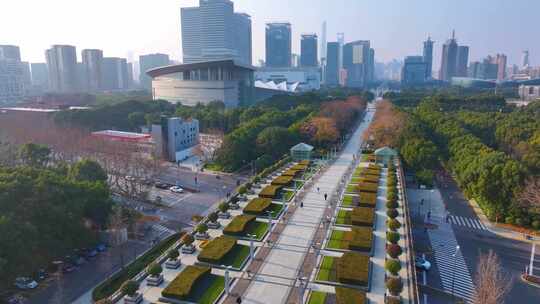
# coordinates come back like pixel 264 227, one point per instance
pixel 301 79
pixel 529 92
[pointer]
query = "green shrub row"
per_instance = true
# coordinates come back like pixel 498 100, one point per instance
pixel 182 285
pixel 360 238
pixel 238 224
pixel 216 249
pixel 362 216
pixel 368 187
pixel 282 180
pixel 350 296
pixel 270 191
pixel 353 268
pixel 257 206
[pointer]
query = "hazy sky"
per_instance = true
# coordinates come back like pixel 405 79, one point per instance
pixel 396 28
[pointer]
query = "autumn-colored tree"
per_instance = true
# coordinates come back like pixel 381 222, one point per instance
pixel 386 127
pixel 492 283
pixel 529 197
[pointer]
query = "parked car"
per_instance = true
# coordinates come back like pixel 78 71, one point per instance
pixel 422 263
pixel 176 189
pixel 130 178
pixel 101 247
pixel 25 283
pixel 68 268
pixel 163 186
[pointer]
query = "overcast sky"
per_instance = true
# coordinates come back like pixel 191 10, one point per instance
pixel 396 28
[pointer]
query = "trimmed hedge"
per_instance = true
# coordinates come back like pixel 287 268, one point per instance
pixel 370 178
pixel 290 172
pixel 361 238
pixel 394 285
pixel 393 224
pixel 392 213
pixel 394 250
pixel 270 191
pixel 299 167
pixel 238 224
pixel 368 198
pixel 393 266
pixel 282 180
pixel 258 206
pixel 372 172
pixel 368 187
pixel 360 180
pixel 392 237
pixel 353 268
pixel 362 216
pixel 216 249
pixel 350 296
pixel 182 285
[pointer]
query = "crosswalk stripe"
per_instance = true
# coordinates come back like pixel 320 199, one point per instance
pixel 467 222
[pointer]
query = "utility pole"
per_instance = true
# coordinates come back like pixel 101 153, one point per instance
pixel 531 265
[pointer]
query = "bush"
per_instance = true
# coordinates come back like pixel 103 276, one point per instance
pixel 353 268
pixel 130 287
pixel 242 189
pixel 216 249
pixel 392 266
pixel 369 199
pixel 368 187
pixel 392 237
pixel 391 195
pixel 197 218
pixel 258 206
pixel 188 239
pixel 536 224
pixel 361 238
pixel 394 250
pixel 509 220
pixel 349 295
pixel 223 207
pixel 213 217
pixel 392 204
pixel 362 216
pixel 393 224
pixel 238 225
pixel 154 269
pixel 182 285
pixel 393 300
pixel 201 228
pixel 392 213
pixel 394 285
pixel 173 254
pixel 282 180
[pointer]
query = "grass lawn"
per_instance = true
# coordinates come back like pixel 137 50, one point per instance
pixel 299 184
pixel 256 228
pixel 207 289
pixel 236 256
pixel 336 240
pixel 359 239
pixel 347 201
pixel 327 271
pixel 317 297
pixel 288 195
pixel 343 217
pixel 213 167
pixel 352 188
pixel 276 208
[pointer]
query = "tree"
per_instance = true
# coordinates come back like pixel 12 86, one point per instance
pixel 136 120
pixel 188 239
pixel 492 283
pixel 34 155
pixel 173 254
pixel 130 288
pixel 530 195
pixel 321 130
pixel 213 217
pixel 274 141
pixel 88 170
pixel 154 269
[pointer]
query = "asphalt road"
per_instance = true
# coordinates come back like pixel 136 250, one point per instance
pixel 473 239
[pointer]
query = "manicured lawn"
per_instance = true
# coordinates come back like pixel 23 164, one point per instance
pixel 288 195
pixel 317 297
pixel 359 239
pixel 352 188
pixel 343 217
pixel 327 271
pixel 347 201
pixel 276 208
pixel 257 228
pixel 236 256
pixel 336 240
pixel 207 289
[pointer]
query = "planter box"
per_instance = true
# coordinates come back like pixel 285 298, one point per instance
pixel 224 215
pixel 213 225
pixel 136 299
pixel 172 264
pixel 235 206
pixel 154 281
pixel 188 249
pixel 201 236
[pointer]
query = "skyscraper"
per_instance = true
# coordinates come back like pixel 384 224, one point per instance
pixel 357 61
pixel 323 42
pixel 462 61
pixel 213 31
pixel 525 59
pixel 62 67
pixel 40 76
pixel 10 52
pixel 308 48
pixel 449 59
pixel 332 64
pixel 414 70
pixel 501 67
pixel 278 45
pixel 150 61
pixel 428 57
pixel 115 74
pixel 341 41
pixel 92 61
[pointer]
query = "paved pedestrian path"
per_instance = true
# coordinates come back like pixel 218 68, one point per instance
pixel 468 222
pixel 277 275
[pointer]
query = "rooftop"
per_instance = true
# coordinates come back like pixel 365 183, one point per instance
pixel 122 136
pixel 171 69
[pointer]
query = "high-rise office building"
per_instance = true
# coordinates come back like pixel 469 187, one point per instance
pixel 462 61
pixel 341 41
pixel 62 67
pixel 428 56
pixel 114 74
pixel 148 62
pixel 371 65
pixel 213 31
pixel 10 52
pixel 487 69
pixel 357 59
pixel 449 59
pixel 332 64
pixel 278 45
pixel 323 42
pixel 414 71
pixel 130 75
pixel 92 61
pixel 525 59
pixel 501 67
pixel 40 76
pixel 308 48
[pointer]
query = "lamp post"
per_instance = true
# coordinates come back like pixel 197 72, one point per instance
pixel 454 269
pixel 227 279
pixel 251 246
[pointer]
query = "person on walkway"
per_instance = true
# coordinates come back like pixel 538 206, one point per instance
pixel 318 189
pixel 239 300
pixel 447 218
pixel 325 196
pixel 301 204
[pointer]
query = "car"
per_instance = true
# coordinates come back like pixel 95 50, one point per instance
pixel 25 283
pixel 16 299
pixel 68 268
pixel 101 247
pixel 163 186
pixel 41 275
pixel 422 263
pixel 130 178
pixel 176 189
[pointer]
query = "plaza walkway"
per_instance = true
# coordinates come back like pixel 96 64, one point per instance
pixel 274 280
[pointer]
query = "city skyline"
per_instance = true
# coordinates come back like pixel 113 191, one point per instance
pixel 160 31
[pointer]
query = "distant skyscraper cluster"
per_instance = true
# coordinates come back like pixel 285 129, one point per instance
pixel 454 60
pixel 13 74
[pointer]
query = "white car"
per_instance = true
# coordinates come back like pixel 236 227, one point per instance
pixel 176 189
pixel 422 263
pixel 130 178
pixel 25 283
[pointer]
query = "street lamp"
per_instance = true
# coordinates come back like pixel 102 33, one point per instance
pixel 454 269
pixel 227 279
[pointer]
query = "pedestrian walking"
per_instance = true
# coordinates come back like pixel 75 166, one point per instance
pixel 239 300
pixel 301 204
pixel 429 214
pixel 318 189
pixel 447 218
pixel 325 196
